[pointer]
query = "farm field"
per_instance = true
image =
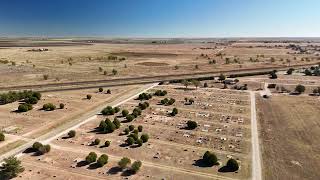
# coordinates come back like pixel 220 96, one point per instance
pixel 289 136
pixel 172 151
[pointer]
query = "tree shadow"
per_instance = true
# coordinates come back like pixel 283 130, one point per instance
pixel 226 169
pixel 93 166
pixel 202 163
pixel 124 145
pixel 29 150
pixel 127 172
pixel 114 170
pixel 82 163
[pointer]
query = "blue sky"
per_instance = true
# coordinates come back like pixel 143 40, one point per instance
pixel 160 18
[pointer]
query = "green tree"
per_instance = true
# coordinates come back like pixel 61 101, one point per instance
pixel 89 96
pixel 117 123
pixel 130 141
pixel 107 143
pixel 192 124
pixel 124 112
pixel 222 77
pixel 92 156
pixel 131 127
pixel 102 160
pixel 100 89
pixel 114 72
pixel 300 89
pixel 139 142
pixel 186 83
pixel 124 162
pixel 72 133
pixel 61 105
pixel 108 91
pixel 144 138
pixel 232 165
pixel 135 167
pixel 140 128
pixel 10 168
pixel 210 158
pixel 96 141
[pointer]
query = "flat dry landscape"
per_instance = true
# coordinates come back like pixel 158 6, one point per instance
pixel 290 131
pixel 65 61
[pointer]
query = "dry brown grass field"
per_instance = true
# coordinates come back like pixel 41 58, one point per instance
pixel 289 137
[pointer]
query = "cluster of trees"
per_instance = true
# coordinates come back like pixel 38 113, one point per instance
pixel 195 82
pixel 167 102
pixel 125 162
pixel 10 168
pixel 107 126
pixel 313 71
pixel 101 90
pixel 144 96
pixel 192 125
pixel 143 105
pixel 133 137
pixel 101 161
pixel 2 136
pixel 174 112
pixel 40 148
pixel 160 93
pixel 136 111
pixel 188 101
pixel 110 111
pixel 12 96
pixel 49 107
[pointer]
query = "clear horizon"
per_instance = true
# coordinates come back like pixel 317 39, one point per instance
pixel 160 18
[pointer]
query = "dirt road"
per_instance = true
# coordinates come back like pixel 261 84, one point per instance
pixel 256 161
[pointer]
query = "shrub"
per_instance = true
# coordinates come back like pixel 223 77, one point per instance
pixel 72 133
pixel 89 96
pixel 160 93
pixel 131 127
pixel 44 149
pixel 2 136
pixel 136 131
pixel 124 162
pixel 135 167
pixel 290 71
pixel 134 136
pixel 144 138
pixel 273 75
pixel 102 160
pixel 144 96
pixel 45 76
pixel 101 89
pixel 136 112
pixel 130 141
pixel 49 107
pixel 124 112
pixel 140 128
pixel 92 156
pixel 232 165
pixel 107 143
pixel 205 85
pixel 192 124
pixel 108 91
pixel 61 105
pixel 210 159
pixel 10 168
